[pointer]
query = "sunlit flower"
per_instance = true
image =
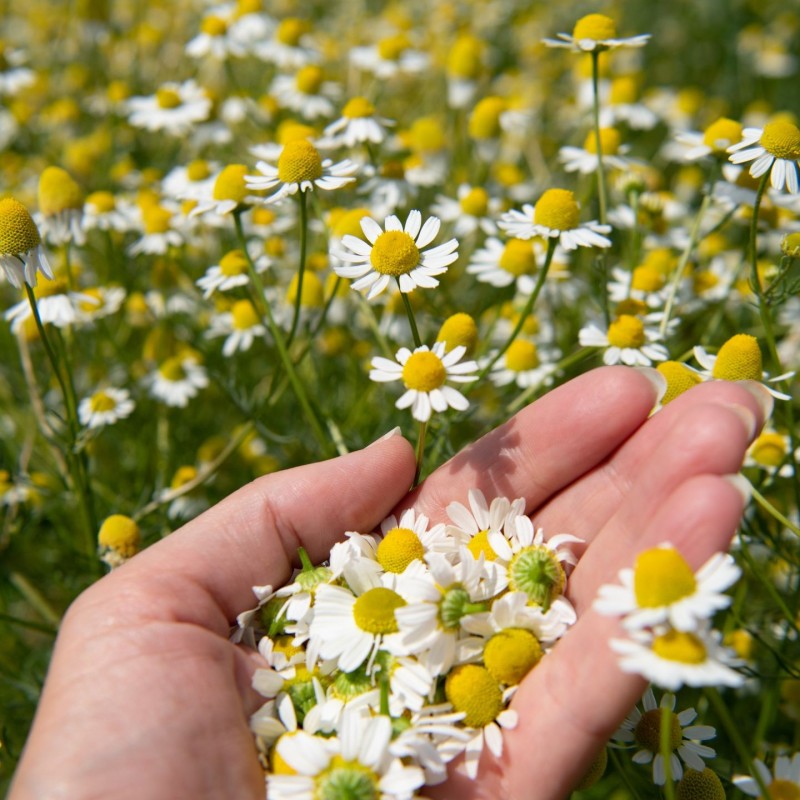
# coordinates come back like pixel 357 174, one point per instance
pixel 106 212
pixel 771 452
pixel 584 159
pixel 175 108
pixel 715 140
pixel 473 209
pixel 57 306
pixel 774 148
pixel 628 340
pixel 391 55
pixel 215 38
pixel 306 92
pixel 595 32
pixel 241 326
pixel 230 273
pixel 21 251
pixel 502 264
pixel 118 539
pixel 424 373
pixel 396 252
pixel 359 123
pixel 177 380
pixel 60 207
pixel 105 407
pixel 525 364
pixel 290 46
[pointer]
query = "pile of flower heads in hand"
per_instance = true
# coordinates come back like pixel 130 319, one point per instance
pixel 404 650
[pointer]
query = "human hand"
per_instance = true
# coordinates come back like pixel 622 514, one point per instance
pixel 147 697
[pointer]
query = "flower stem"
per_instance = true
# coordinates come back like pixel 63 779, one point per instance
pixel 602 191
pixel 772 511
pixel 423 427
pixel 302 269
pixel 752 242
pixel 665 746
pixel 305 561
pixel 410 314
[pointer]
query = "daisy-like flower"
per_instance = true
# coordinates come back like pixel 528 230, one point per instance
pixel 555 216
pixel 472 690
pixel 103 301
pixel 523 364
pixel 175 108
pixel 584 159
pixel 737 360
pixel 105 407
pixel 396 252
pixel 230 273
pixel 770 451
pixel 501 264
pixel 392 55
pixel 306 93
pixel 21 253
pixel 715 140
pixel 60 207
pixel 224 193
pixel 118 540
pixel 645 284
pixel 300 168
pixel 194 181
pixel 775 147
pixel 158 230
pixel 358 124
pixel 177 381
pixel 783 781
pixel 215 37
pixel 408 539
pixel 643 729
pixel 103 211
pixel 356 763
pixel 241 326
pixel 595 32
pixel 627 340
pixel 662 588
pixel 472 526
pixel 671 658
pixel 290 46
pixel 473 209
pixel 57 306
pixel 424 373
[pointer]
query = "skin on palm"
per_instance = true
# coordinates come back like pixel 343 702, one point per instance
pixel 146 695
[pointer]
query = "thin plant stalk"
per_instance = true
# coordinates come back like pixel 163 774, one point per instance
pixel 423 427
pixel 410 314
pixel 302 268
pixel 665 746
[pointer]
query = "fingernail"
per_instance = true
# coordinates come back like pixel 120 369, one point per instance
pixel 656 379
pixel 741 484
pixel 393 432
pixel 764 399
pixel 747 416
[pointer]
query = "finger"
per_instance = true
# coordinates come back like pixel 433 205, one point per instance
pixel 547 445
pixel 251 537
pixel 678 441
pixel 574 700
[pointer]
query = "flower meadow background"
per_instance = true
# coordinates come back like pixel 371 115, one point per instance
pixel 182 377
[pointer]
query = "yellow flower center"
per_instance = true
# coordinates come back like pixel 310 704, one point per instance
pixel 348 222
pixel 121 534
pixel 475 202
pixel 511 654
pixel 679 379
pixel 167 98
pixel 626 331
pixel 103 202
pixel 245 7
pixel 230 184
pixel 484 122
pixel 58 192
pixel 233 263
pixel 214 26
pixel 465 59
pixel 374 611
pixel 647 279
pixel 182 476
pixel 537 571
pixel 398 549
pixel 244 315
pixel 313 295
pixel 479 543
pixel 610 141
pixel 458 329
pixel 95 304
pixel 677 646
pixel 558 210
pixel 18 231
pixel 522 355
pixel 518 258
pixel 51 288
pixel 624 91
pixel 394 253
pixel 100 401
pixel 769 449
pixel 172 369
pixel 424 371
pixel 263 216
pixel 704 281
pixel 471 689
pixel 358 107
pixel 597 27
pixel 720 135
pixel 299 161
pixel 198 170
pixel 156 219
pixel 648 731
pixel 391 48
pixel 291 30
pixel 426 135
pixel 739 359
pixel 309 79
pixel 782 789
pixel 661 577
pixel 782 140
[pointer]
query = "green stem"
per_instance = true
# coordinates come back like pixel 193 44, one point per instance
pixel 772 511
pixel 305 561
pixel 410 314
pixel 423 427
pixel 665 745
pixel 35 598
pixel 301 271
pixel 602 191
pixel 752 242
pixel 732 729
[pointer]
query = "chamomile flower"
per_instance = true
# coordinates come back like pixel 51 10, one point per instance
pixel 241 326
pixel 671 658
pixel 715 140
pixel 193 181
pixel 118 540
pixel 177 380
pixel 225 193
pixel 230 273
pixel 472 690
pixel 396 252
pixel 408 539
pixel 424 373
pixel 360 123
pixel 290 46
pixel 175 108
pixel 105 407
pixel 628 340
pixel 21 253
pixel 783 781
pixel 595 32
pixel 555 216
pixel 662 588
pixel 106 212
pixel 472 210
pixel 643 729
pixel 158 228
pixel 501 264
pixel 774 148
pixel 300 168
pixel 57 306
pixel 771 452
pixel 60 207
pixel 525 364
pixel 306 92
pixel 644 284
pixel 472 526
pixel 215 38
pixel 584 159
pixel 391 56
pixel 102 301
pixel 738 359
